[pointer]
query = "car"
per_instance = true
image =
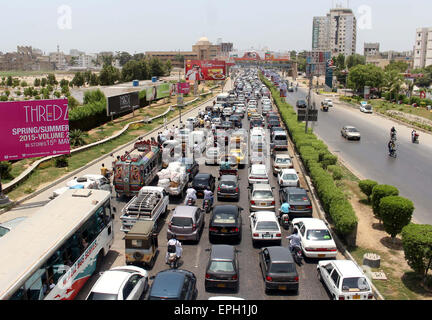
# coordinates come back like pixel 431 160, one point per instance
pixel 216 121
pixel 212 156
pixel 256 123
pixel 366 108
pixel 288 178
pixel 327 102
pixel 192 167
pixel 250 111
pixel 203 181
pixel 225 222
pixel 236 120
pixel 258 174
pixel 7 226
pixel 222 269
pixel 266 108
pixel 173 284
pixel 228 111
pixel 344 280
pixel 290 89
pixel 228 187
pixel 120 283
pixel 278 269
pixel 279 140
pixel 281 161
pixel 186 223
pixel 225 298
pixel 217 107
pixel 191 122
pixel 316 239
pixel 350 133
pixel 261 198
pixel 88 181
pixel 301 104
pixel 299 201
pixel 265 227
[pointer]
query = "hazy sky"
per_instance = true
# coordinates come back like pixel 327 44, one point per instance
pixel 143 25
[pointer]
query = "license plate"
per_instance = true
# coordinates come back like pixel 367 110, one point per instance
pixel 221 285
pixel 180 237
pixel 300 207
pixel 321 256
pixel 267 236
pixel 282 287
pixel 263 203
pixel 357 296
pixel 224 230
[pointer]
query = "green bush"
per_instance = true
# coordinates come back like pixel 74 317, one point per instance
pixel 417 246
pixel 343 216
pixel 336 171
pixel 380 191
pixel 5 169
pixel 395 212
pixel 328 160
pixel 61 162
pixel 366 186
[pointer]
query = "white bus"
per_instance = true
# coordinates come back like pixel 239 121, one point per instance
pixel 54 252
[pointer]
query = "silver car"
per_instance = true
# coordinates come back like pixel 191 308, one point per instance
pixel 350 133
pixel 261 198
pixel 186 223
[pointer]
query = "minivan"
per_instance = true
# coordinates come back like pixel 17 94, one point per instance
pixel 186 223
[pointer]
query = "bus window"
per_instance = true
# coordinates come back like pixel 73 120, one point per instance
pixel 34 285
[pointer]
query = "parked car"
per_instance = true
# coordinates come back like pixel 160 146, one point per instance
pixel 288 178
pixel 173 284
pixel 212 156
pixel 258 174
pixel 222 268
pixel 366 108
pixel 299 201
pixel 301 104
pixel 350 133
pixel 120 283
pixel 261 198
pixel 265 227
pixel 225 222
pixel 278 269
pixel 344 280
pixel 316 239
pixel 7 226
pixel 203 181
pixel 228 187
pixel 281 161
pixel 186 223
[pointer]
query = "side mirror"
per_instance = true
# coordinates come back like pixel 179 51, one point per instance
pixel 114 209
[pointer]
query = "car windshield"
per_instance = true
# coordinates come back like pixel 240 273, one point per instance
pixel 267 225
pixel 3 231
pixel 199 180
pixel 298 198
pixel 221 266
pixel 262 194
pixel 227 184
pixel 280 137
pixel 321 234
pixel 355 284
pixel 368 107
pixel 224 218
pixel 282 267
pixel 181 221
pixel 184 131
pixel 352 130
pixel 289 176
pixel 102 296
pixel 283 160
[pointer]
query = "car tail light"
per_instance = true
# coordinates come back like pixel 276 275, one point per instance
pixel 286 219
pixel 269 278
pixel 207 276
pixel 341 298
pixel 370 296
pixel 193 227
pixel 234 277
pixel 256 235
pixel 308 207
pixel 252 202
pixel 235 229
pixel 237 189
pixel 278 235
pixel 277 167
pixel 188 170
pixel 169 225
pixel 296 279
pixel 213 229
pixel 273 203
pixel 219 189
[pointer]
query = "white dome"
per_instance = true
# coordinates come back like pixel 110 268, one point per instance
pixel 203 40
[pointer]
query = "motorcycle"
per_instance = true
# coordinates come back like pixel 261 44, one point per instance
pixel 172 257
pixel 415 138
pixel 190 202
pixel 393 136
pixel 393 154
pixel 296 251
pixel 207 205
pixel 284 220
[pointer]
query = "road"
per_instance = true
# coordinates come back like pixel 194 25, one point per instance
pixel 369 157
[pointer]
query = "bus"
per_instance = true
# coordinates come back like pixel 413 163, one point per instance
pixel 222 98
pixel 137 168
pixel 51 254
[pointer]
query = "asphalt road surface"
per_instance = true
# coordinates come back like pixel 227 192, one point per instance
pixel 409 172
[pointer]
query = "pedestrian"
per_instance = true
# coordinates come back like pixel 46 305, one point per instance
pixel 104 171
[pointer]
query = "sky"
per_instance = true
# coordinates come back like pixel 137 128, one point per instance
pixel 142 25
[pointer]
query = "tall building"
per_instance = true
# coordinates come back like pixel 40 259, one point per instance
pixel 205 49
pixel 336 32
pixel 371 49
pixel 423 48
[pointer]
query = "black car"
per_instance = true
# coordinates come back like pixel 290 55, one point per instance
pixel 236 120
pixel 226 125
pixel 173 284
pixel 273 123
pixel 298 199
pixel 278 269
pixel 223 268
pixel 225 222
pixel 192 167
pixel 228 187
pixel 256 123
pixel 301 104
pixel 203 181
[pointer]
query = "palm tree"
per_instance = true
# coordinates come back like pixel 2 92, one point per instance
pixel 393 81
pixel 76 137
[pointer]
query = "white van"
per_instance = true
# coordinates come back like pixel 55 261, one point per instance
pixel 222 98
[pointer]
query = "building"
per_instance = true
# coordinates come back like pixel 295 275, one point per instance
pixel 336 32
pixel 226 48
pixel 423 48
pixel 76 53
pixel 25 58
pixel 177 57
pixel 371 49
pixel 382 59
pixel 205 50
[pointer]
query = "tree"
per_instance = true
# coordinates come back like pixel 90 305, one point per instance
pixel 57 94
pixel 92 96
pixel 365 75
pixel 64 82
pixel 109 75
pixel 107 60
pixel 44 82
pixel 399 66
pixel 339 62
pixel 94 80
pixel 395 212
pixel 15 82
pixel 168 67
pixel 366 186
pixel 180 58
pixel 138 56
pixel 72 102
pixel 76 137
pixel 9 81
pixel 78 79
pixel 378 192
pixel 23 84
pixel 123 57
pixel 354 60
pixel 393 81
pixel 5 169
pixel 156 67
pixel 52 79
pixel 131 71
pixel 37 82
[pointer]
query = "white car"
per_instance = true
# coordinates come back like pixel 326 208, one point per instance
pixel 366 108
pixel 282 161
pixel 228 111
pixel 261 198
pixel 344 280
pixel 288 178
pixel 258 174
pixel 265 227
pixel 328 102
pixel 191 122
pixel 88 181
pixel 316 239
pixel 216 121
pixel 120 283
pixel 212 156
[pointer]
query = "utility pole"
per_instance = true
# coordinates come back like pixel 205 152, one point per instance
pixel 309 101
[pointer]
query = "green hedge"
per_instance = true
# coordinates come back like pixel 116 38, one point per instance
pixel 336 171
pixel 380 191
pixel 417 246
pixel 366 186
pixel 396 212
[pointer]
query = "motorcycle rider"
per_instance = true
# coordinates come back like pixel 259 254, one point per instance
pixel 393 132
pixel 208 195
pixel 284 209
pixel 413 135
pixel 295 240
pixel 190 194
pixel 391 146
pixel 173 245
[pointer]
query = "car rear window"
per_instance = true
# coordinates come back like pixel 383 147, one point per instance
pixel 221 266
pixel 355 284
pixel 280 137
pixel 290 176
pixel 3 231
pixel 318 235
pixel 181 221
pixel 283 160
pixel 224 218
pixel 262 194
pixel 352 130
pixel 298 198
pixel 267 225
pixel 282 268
pixel 229 184
pixel 101 296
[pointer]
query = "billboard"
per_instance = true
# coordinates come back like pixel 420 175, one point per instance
pixel 183 87
pixel 122 103
pixel 158 91
pixel 37 128
pixel 205 70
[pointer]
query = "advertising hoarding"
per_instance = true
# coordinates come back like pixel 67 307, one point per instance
pixel 197 70
pixel 122 103
pixel 158 91
pixel 36 128
pixel 183 87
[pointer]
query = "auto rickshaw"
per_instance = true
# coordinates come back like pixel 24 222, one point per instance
pixel 141 244
pixel 228 165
